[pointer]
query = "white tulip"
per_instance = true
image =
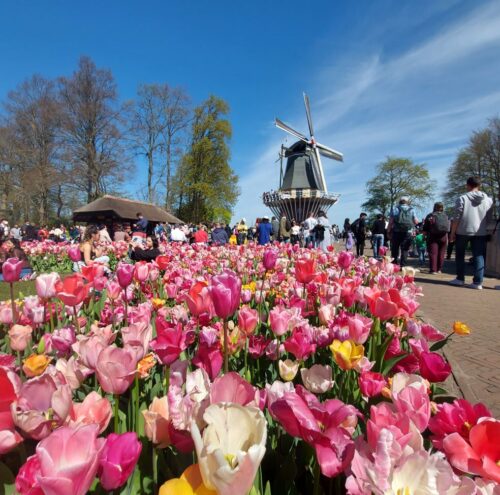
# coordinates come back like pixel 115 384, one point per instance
pixel 317 379
pixel 231 448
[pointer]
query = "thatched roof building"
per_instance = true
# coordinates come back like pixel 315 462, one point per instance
pixel 113 209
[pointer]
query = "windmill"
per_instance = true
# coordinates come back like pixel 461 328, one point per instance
pixel 303 187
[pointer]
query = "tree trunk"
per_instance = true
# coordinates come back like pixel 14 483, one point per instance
pixel 150 177
pixel 168 195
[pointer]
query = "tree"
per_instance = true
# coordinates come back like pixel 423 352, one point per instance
pixel 91 123
pixel 31 147
pixel 481 157
pixel 398 177
pixel 205 183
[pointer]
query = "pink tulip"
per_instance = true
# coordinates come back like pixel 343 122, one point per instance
pixel 300 344
pixel 371 383
pixel 415 404
pixel 124 274
pixel 88 349
pixel 75 254
pixel 62 340
pixel 93 410
pixel 170 341
pixel 118 459
pixel 138 335
pixel 141 271
pixel 257 345
pixel 345 259
pixel 433 367
pixel 74 371
pixel 6 313
pixel 11 269
pixel 317 379
pixel 198 299
pixel 26 479
pixel 116 368
pixel 247 319
pixel 20 337
pixel 458 417
pixel 209 359
pixel 359 328
pixel 156 422
pixel 231 387
pixel 269 259
pixel 481 454
pixel 279 318
pixel 113 290
pixel 46 285
pixel 225 290
pixel 69 459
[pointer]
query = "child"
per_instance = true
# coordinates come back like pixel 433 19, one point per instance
pixel 421 246
pixel 349 243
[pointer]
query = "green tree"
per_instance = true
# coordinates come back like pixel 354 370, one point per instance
pixel 206 186
pixel 481 157
pixel 398 177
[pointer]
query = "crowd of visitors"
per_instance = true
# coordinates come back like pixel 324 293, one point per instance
pixel 402 233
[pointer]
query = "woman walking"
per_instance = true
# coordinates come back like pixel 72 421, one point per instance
pixel 436 227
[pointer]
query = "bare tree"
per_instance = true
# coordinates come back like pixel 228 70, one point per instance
pixel 32 130
pixel 91 123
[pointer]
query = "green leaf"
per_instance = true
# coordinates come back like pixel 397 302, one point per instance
pixel 438 345
pixel 390 363
pixel 7 480
pixel 268 489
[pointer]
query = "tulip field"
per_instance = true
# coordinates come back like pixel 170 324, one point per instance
pixel 232 370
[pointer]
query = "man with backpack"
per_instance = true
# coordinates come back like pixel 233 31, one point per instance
pixel 285 226
pixel 358 228
pixel 472 212
pixel 436 228
pixel 400 228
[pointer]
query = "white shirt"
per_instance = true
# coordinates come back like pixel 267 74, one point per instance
pixel 309 224
pixel 177 235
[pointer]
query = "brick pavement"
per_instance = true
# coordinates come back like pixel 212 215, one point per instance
pixel 475 358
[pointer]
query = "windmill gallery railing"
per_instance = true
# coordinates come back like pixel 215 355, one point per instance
pixel 298 204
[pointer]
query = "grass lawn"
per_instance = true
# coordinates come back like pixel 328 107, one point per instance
pixel 26 288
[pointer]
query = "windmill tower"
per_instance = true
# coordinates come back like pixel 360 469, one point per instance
pixel 302 186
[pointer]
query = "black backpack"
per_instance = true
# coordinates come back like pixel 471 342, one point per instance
pixel 403 219
pixel 439 223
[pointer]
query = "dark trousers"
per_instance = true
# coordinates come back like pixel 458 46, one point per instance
pixel 360 245
pixel 449 250
pixel 436 246
pixel 400 240
pixel 478 246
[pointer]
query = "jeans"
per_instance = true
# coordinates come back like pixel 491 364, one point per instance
pixel 400 240
pixel 310 240
pixel 378 242
pixel 478 246
pixel 421 255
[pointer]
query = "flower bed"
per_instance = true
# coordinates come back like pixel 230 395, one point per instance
pixel 235 370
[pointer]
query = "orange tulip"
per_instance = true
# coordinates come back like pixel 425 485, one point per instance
pixel 35 365
pixel 460 328
pixel 190 483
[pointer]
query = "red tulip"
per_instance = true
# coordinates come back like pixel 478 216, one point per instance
pixel 209 359
pixel 198 299
pixel 433 367
pixel 162 261
pixel 118 459
pixel 225 290
pixel 9 437
pixel 90 272
pixel 170 341
pixel 124 274
pixel 305 270
pixel 72 290
pixel 11 269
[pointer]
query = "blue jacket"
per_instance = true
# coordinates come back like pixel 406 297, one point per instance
pixel 219 236
pixel 264 233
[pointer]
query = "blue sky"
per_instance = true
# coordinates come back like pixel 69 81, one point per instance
pixel 384 78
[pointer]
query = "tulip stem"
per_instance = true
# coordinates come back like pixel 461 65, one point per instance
pixel 136 402
pixel 317 474
pixel 77 323
pixel 155 469
pixel 116 406
pixel 226 337
pixel 13 303
pixel 126 306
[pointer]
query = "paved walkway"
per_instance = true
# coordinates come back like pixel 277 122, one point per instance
pixel 475 358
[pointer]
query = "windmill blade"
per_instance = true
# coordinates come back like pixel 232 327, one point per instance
pixel 320 167
pixel 288 129
pixel 308 114
pixel 329 153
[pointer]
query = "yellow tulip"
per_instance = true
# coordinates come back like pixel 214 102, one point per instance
pixel 347 353
pixel 190 483
pixel 35 365
pixel 460 328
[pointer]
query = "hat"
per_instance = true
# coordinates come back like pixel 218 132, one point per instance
pixel 265 217
pixel 405 199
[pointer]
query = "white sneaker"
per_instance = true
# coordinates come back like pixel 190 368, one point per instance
pixel 456 282
pixel 475 286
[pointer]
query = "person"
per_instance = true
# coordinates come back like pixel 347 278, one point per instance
pixel 90 252
pixel 347 228
pixel 358 228
pixel 242 230
pixel 400 228
pixel 378 234
pixel 28 231
pixel 177 234
pixel 74 233
pixel 159 231
pixel 472 213
pixel 295 233
pixel 120 235
pixel 276 228
pixel 148 252
pixel 436 227
pixel 219 235
pixel 264 231
pixel 201 235
pixel 228 230
pixel 420 245
pixel 323 238
pixel 15 233
pixel 104 234
pixel 349 241
pixel 309 233
pixel 43 233
pixel 4 228
pixel 284 231
pixel 142 224
pixel 12 249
